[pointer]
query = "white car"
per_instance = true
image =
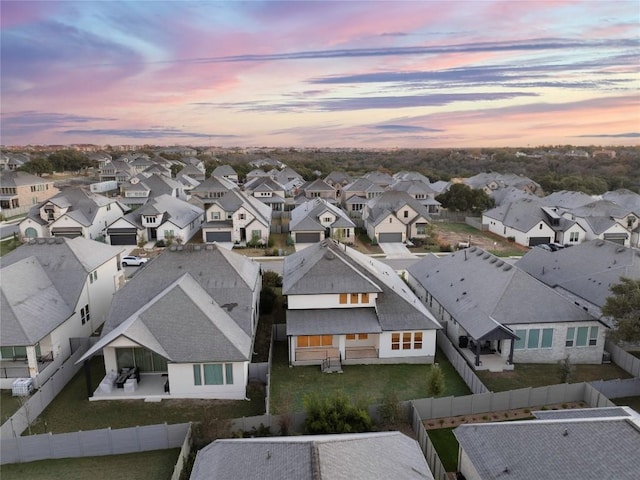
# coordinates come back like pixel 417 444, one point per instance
pixel 132 260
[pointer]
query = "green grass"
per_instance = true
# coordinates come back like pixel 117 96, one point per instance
pixel 8 405
pixel 539 375
pixel 157 464
pixel 71 410
pixel 457 227
pixel 7 246
pixel 633 402
pixel 446 446
pixel 511 252
pixel 361 383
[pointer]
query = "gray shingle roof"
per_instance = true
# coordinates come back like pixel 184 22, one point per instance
pixel 41 284
pixel 177 211
pixel 371 456
pixel 587 270
pixel 590 449
pixel 521 215
pixel 483 292
pixel 335 321
pixel 18 179
pixel 84 205
pixel 583 413
pixel 392 202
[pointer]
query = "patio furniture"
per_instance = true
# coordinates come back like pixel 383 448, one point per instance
pixel 131 385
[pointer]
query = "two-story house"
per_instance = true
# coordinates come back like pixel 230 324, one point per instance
pixel 318 189
pixel 268 191
pixel 356 195
pixel 344 307
pixel 317 219
pixel 53 289
pixel 74 212
pixel 395 217
pixel 21 190
pixel 227 172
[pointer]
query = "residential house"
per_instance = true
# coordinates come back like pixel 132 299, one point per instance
pixel 530 223
pixel 213 187
pixel 227 172
pixel 344 307
pixel 192 172
pixel 421 191
pixel 584 273
pixel 52 289
pixel 187 322
pixel 338 180
pixel 117 170
pixel 567 199
pixel 268 191
pixel 383 180
pixel 159 169
pixel 607 220
pixel 395 217
pixel 374 456
pixel 490 182
pixel 141 163
pixel 318 189
pixel 498 315
pixel 574 444
pixel 235 217
pixel 74 212
pixel 141 188
pixel 362 188
pixel 440 186
pixel 256 173
pixel 21 190
pixel 317 219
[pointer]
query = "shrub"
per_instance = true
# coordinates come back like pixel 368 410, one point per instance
pixel 435 381
pixel 271 279
pixel 390 410
pixel 511 239
pixel 566 370
pixel 334 414
pixel 289 241
pixel 446 248
pixel 160 243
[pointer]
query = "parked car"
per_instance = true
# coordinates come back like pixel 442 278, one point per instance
pixel 133 260
pixel 555 247
pixel 544 246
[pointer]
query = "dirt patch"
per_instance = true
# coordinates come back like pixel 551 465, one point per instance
pixel 498 416
pixel 485 240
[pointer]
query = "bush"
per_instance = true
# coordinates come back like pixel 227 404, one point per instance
pixel 511 239
pixel 271 279
pixel 435 381
pixel 289 241
pixel 334 414
pixel 390 410
pixel 267 300
pixel 566 370
pixel 446 248
pixel 160 243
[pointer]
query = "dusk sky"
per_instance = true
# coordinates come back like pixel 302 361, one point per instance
pixel 321 74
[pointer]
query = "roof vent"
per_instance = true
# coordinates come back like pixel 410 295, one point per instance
pixel 507 267
pixel 197 248
pixel 209 247
pixel 42 241
pixel 499 263
pixel 329 255
pixel 59 240
pixel 493 260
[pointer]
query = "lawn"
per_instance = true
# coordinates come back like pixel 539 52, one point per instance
pixel 7 246
pixel 157 464
pixel 446 446
pixel 8 404
pixel 71 411
pixel 633 402
pixel 366 383
pixel 538 375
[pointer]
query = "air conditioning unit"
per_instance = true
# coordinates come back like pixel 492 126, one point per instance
pixel 606 357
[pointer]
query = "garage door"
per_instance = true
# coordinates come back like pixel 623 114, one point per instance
pixel 67 232
pixel 390 238
pixel 533 241
pixel 619 238
pixel 307 237
pixel 122 236
pixel 218 237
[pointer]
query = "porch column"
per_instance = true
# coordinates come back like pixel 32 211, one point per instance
pixel 32 361
pixel 511 351
pixel 477 354
pixel 341 346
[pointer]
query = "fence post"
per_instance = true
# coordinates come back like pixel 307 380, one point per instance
pixel 51 439
pixel 138 437
pixel 110 440
pixel 166 434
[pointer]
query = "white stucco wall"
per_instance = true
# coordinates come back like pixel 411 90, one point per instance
pixel 395 226
pixel 43 230
pixel 467 468
pixel 428 345
pixel 181 383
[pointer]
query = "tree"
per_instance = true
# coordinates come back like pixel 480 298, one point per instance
pixel 334 414
pixel 462 198
pixel 566 370
pixel 623 307
pixel 435 381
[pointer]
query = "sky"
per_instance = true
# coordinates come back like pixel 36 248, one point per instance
pixel 361 74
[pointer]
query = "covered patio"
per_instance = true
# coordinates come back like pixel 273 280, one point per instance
pixel 151 387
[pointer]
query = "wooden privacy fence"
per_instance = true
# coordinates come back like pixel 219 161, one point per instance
pixel 93 443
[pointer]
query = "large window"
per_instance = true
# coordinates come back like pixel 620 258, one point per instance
pixel 407 340
pixel 84 314
pixel 305 341
pixel 582 336
pixel 10 353
pixel 213 374
pixel 534 338
pixel 343 298
pixel 145 360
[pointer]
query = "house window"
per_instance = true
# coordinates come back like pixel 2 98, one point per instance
pixel 229 216
pixel 573 236
pixel 390 220
pixel 108 207
pixel 593 336
pixel 84 314
pixel 540 227
pixel 326 220
pixel 520 342
pixel 406 341
pixel 241 216
pixel 581 340
pixel 343 298
pixel 354 298
pixel 305 341
pixel 547 338
pixel 256 234
pixel 365 298
pixel 405 214
pixel 359 336
pixel 363 336
pixel 213 374
pixel 417 341
pixel 395 341
pixel 168 234
pixel 571 333
pixel 351 336
pixel 534 336
pixel 215 215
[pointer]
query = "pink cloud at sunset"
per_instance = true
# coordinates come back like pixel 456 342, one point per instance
pixel 344 73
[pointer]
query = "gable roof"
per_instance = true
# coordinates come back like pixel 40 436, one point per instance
pixel 223 170
pixel 374 456
pixel 83 205
pixel 571 449
pixel 228 278
pixel 330 268
pixel 483 292
pixel 521 215
pixel 184 324
pixel 41 283
pixel 177 211
pixel 10 178
pixel 584 272
pixel 391 202
pixel 306 216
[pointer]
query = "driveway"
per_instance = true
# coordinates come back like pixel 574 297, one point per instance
pixel 396 250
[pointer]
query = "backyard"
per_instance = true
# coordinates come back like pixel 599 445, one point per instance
pixel 362 383
pixel 157 464
pixel 539 375
pixel 449 233
pixel 8 404
pixel 71 410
